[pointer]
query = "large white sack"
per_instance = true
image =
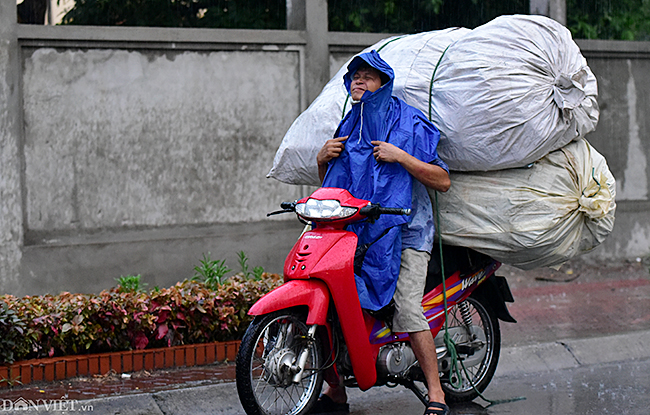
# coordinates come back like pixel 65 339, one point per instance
pixel 560 207
pixel 413 59
pixel 510 92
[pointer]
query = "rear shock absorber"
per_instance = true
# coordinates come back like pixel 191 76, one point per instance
pixel 467 317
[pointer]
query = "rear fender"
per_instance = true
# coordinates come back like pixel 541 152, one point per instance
pixel 311 293
pixel 496 292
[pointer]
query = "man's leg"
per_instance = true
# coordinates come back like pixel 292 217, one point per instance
pixel 409 317
pixel 425 351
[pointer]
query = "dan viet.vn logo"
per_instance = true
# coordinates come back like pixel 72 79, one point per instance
pixel 63 404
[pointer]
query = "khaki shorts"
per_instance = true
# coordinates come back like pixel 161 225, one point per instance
pixel 409 315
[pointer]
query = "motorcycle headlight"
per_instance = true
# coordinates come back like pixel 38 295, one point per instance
pixel 324 210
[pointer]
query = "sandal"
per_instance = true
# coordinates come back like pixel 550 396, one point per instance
pixel 436 408
pixel 325 405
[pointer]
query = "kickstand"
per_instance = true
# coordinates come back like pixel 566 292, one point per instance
pixel 418 392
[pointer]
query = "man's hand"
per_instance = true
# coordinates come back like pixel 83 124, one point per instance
pixel 430 175
pixel 387 152
pixel 329 151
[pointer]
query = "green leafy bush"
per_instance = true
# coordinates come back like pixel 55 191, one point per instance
pixel 11 334
pixel 256 273
pixel 130 283
pixel 246 14
pixel 618 20
pixel 119 319
pixel 211 272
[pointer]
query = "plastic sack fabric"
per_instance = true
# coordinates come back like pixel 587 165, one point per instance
pixel 413 59
pixel 560 207
pixel 510 92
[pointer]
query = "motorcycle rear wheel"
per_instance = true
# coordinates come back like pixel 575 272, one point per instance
pixel 476 377
pixel 264 377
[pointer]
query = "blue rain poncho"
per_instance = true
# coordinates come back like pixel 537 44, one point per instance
pixel 379 116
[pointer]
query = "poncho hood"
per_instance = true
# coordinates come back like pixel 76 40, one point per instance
pixel 373 59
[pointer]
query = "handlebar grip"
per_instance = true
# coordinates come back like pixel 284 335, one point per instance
pixel 394 211
pixel 374 211
pixel 288 205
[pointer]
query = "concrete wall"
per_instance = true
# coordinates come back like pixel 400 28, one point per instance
pixel 11 220
pixel 136 150
pixel 120 139
pixel 623 137
pixel 141 156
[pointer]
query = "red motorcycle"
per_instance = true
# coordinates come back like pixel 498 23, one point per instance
pixel 313 327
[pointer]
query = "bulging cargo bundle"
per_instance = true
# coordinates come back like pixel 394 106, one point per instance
pixel 413 59
pixel 543 215
pixel 510 92
pixel 504 95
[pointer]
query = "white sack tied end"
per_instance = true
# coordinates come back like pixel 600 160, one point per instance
pixel 596 199
pixel 569 91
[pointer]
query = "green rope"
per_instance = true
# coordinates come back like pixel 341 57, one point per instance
pixel 449 342
pixel 431 83
pixel 600 187
pixel 347 98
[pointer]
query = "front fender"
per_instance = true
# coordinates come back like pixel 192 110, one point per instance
pixel 311 293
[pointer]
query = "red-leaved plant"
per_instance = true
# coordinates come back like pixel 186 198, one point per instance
pixel 189 312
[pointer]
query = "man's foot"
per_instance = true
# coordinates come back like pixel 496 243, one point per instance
pixel 336 393
pixel 325 405
pixel 436 408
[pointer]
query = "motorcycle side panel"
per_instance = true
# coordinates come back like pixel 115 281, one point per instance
pixel 457 289
pixel 311 293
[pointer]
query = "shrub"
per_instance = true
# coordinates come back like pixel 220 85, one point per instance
pixel 11 333
pixel 130 283
pixel 125 319
pixel 211 272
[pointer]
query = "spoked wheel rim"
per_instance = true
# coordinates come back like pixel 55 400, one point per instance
pixel 475 372
pixel 277 345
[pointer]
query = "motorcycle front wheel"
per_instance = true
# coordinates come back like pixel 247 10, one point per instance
pixel 478 351
pixel 266 366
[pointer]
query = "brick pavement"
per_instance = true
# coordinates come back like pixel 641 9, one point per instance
pixel 581 300
pixel 117 384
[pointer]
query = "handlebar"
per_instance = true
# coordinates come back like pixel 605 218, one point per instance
pixel 372 211
pixel 287 207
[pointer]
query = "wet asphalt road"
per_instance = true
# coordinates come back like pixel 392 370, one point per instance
pixel 618 388
pixel 602 388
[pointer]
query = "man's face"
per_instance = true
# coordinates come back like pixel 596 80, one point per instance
pixel 365 79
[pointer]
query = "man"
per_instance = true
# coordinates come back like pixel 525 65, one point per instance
pixel 385 151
